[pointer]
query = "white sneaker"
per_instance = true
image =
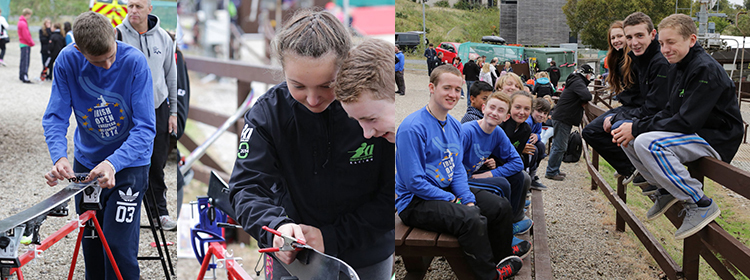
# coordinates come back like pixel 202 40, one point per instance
pixel 167 223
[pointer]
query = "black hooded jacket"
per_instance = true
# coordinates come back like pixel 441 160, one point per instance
pixel 296 166
pixel 650 93
pixel 569 109
pixel 702 100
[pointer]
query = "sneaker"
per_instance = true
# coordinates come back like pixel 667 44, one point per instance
pixel 649 190
pixel 536 185
pixel 558 177
pixel 640 181
pixel 696 218
pixel 522 226
pixel 167 223
pixel 527 204
pixel 661 205
pixel 522 248
pixel 562 174
pixel 2 63
pixel 508 267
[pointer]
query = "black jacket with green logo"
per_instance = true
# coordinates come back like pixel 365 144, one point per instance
pixel 702 100
pixel 650 93
pixel 295 166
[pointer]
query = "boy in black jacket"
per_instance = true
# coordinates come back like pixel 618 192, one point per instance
pixel 642 100
pixel 702 118
pixel 568 113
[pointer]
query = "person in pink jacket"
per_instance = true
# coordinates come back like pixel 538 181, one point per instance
pixel 26 42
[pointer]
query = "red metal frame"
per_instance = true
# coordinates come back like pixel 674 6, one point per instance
pixel 234 270
pixel 58 235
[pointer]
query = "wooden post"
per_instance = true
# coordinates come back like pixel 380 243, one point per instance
pixel 619 221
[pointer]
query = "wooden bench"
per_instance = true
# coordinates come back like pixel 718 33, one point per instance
pixel 709 243
pixel 417 248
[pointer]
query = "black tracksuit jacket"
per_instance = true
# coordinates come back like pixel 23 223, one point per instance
pixel 569 108
pixel 702 100
pixel 651 92
pixel 316 169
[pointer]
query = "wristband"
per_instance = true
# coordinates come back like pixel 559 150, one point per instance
pixel 110 165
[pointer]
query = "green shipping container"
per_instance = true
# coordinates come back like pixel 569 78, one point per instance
pixel 563 58
pixel 503 53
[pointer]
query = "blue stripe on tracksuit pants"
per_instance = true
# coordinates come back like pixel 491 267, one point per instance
pixel 120 219
pixel 659 157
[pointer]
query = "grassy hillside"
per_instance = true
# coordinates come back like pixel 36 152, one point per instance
pixel 446 24
pixel 45 8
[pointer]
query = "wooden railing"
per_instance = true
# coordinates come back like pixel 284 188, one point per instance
pixel 245 74
pixel 710 242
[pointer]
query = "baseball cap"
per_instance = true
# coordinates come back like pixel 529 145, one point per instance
pixel 586 69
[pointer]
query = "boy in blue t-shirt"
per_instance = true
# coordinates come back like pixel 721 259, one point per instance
pixel 480 140
pixel 432 189
pixel 536 119
pixel 107 86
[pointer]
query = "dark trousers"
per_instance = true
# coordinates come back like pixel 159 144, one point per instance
pixel 159 161
pixel 120 220
pixel 536 158
pixel 519 188
pixel 45 56
pixel 601 141
pixel 2 49
pixel 484 232
pixel 400 82
pixel 23 67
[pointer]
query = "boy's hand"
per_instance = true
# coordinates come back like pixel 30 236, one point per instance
pixel 104 173
pixel 469 204
pixel 293 230
pixel 607 125
pixel 314 237
pixel 623 134
pixel 529 149
pixel 482 175
pixel 533 138
pixel 490 163
pixel 172 124
pixel 61 170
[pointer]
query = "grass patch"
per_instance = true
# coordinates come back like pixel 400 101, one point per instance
pixel 444 24
pixel 735 219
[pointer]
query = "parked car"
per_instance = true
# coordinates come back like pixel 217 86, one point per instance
pixel 407 41
pixel 449 50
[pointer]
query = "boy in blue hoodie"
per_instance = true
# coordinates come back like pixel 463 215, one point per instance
pixel 536 119
pixel 107 86
pixel 432 189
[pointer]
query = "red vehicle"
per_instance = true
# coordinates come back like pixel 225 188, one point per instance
pixel 449 50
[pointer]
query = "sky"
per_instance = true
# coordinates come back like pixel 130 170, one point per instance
pixel 738 2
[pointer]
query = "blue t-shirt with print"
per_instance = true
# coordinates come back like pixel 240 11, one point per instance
pixel 428 160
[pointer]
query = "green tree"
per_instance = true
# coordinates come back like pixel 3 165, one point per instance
pixel 591 18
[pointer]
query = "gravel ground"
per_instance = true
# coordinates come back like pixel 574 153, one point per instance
pixel 580 224
pixel 24 159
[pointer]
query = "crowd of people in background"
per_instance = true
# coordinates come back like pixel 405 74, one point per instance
pixel 677 105
pixel 53 37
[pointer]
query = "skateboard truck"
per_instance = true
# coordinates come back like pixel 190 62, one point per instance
pixel 290 243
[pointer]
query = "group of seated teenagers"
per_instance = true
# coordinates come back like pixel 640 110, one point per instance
pixel 678 105
pixel 471 180
pixel 468 179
